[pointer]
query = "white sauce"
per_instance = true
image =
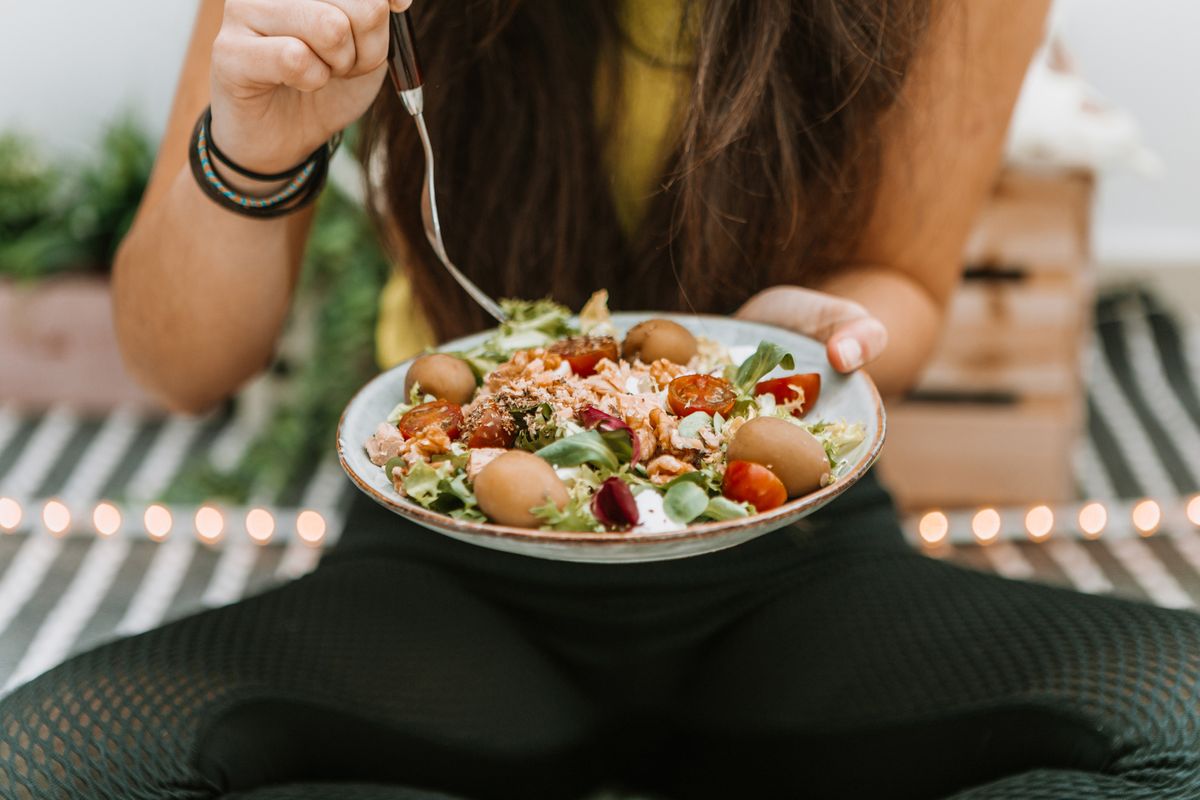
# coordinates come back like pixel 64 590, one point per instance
pixel 652 517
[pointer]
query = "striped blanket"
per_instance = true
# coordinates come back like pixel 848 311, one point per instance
pixel 61 594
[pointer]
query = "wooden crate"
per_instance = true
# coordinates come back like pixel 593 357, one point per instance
pixel 57 345
pixel 996 415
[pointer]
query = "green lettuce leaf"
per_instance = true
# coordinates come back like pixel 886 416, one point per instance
pixel 721 508
pixel 685 501
pixel 588 447
pixel 767 357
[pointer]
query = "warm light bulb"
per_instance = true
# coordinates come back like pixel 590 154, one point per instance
pixel 106 518
pixel 10 514
pixel 933 528
pixel 1146 517
pixel 157 520
pixel 260 525
pixel 1039 522
pixel 986 525
pixel 310 526
pixel 1193 511
pixel 1093 517
pixel 57 517
pixel 210 523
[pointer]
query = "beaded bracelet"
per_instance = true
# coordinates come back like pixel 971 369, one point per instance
pixel 304 182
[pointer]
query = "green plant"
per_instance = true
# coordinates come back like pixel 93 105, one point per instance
pixel 56 220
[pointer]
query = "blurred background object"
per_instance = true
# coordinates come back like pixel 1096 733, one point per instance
pixel 1055 436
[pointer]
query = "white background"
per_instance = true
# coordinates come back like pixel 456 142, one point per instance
pixel 66 66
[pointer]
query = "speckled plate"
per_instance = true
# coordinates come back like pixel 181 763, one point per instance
pixel 853 398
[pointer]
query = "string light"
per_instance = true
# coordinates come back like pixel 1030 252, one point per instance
pixel 260 525
pixel 210 524
pixel 1146 517
pixel 933 528
pixel 10 514
pixel 986 525
pixel 106 518
pixel 1193 511
pixel 310 526
pixel 57 517
pixel 158 522
pixel 1039 522
pixel 1093 518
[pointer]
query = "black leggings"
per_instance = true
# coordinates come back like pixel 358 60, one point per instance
pixel 825 661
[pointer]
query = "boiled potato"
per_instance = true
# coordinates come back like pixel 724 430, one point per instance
pixel 513 483
pixel 788 450
pixel 443 376
pixel 659 338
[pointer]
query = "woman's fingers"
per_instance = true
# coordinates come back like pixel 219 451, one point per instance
pixel 369 25
pixel 852 337
pixel 336 30
pixel 267 61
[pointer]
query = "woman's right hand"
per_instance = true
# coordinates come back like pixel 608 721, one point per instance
pixel 289 74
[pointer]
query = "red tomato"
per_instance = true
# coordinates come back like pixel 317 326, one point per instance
pixel 583 353
pixel 441 413
pixel 494 429
pixel 784 390
pixel 747 482
pixel 688 394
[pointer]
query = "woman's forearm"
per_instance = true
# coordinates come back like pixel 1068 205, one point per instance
pixel 912 316
pixel 200 294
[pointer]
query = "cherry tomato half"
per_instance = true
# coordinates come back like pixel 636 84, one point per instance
pixel 495 428
pixel 747 482
pixel 583 353
pixel 784 390
pixel 440 413
pixel 688 394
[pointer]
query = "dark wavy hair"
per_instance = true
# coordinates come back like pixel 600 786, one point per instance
pixel 770 181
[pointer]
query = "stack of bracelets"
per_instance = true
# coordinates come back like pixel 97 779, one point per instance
pixel 303 182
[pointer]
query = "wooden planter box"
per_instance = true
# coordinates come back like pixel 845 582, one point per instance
pixel 997 414
pixel 57 346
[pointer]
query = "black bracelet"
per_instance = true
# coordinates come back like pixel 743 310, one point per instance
pixel 304 182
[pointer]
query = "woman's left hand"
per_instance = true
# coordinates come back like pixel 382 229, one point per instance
pixel 853 337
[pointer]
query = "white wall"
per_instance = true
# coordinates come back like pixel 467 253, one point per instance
pixel 68 65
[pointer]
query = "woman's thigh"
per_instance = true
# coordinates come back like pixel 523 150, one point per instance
pixel 895 675
pixel 366 670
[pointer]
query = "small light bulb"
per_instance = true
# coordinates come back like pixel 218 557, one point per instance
pixel 10 514
pixel 1093 518
pixel 210 524
pixel 106 518
pixel 310 526
pixel 1193 511
pixel 57 517
pixel 933 527
pixel 260 525
pixel 986 525
pixel 158 522
pixel 1039 522
pixel 1146 517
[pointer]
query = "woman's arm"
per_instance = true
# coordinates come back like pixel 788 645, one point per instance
pixel 943 144
pixel 200 293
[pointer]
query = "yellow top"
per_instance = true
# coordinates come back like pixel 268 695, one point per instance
pixel 652 61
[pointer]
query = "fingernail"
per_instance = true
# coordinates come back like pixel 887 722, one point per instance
pixel 851 353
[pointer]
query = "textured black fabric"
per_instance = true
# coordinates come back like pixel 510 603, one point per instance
pixel 827 660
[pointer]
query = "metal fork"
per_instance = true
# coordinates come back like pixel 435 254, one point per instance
pixel 406 76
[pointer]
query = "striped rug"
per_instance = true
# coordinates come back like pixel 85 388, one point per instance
pixel 61 594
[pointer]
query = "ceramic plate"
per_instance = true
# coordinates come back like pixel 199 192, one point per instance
pixel 853 398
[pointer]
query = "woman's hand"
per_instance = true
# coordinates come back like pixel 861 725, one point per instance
pixel 289 74
pixel 853 338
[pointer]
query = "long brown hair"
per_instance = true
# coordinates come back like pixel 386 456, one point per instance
pixel 770 182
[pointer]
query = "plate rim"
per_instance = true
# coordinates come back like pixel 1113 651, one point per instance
pixel 704 530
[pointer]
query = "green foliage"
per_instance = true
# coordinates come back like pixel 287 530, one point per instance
pixel 71 218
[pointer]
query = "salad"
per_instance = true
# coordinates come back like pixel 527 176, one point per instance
pixel 563 425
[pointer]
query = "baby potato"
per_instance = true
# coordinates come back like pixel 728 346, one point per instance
pixel 659 338
pixel 515 482
pixel 443 376
pixel 786 449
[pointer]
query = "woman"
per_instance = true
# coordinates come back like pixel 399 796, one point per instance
pixel 716 155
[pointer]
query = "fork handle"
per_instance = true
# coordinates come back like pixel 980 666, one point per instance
pixel 403 65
